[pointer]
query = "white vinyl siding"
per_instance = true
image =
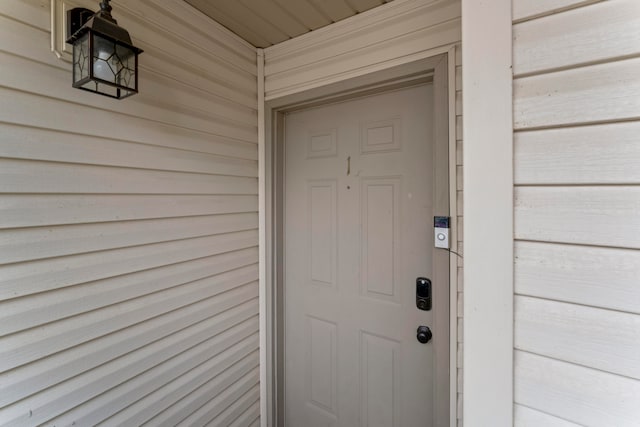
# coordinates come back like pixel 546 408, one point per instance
pixel 128 229
pixel 577 212
pixel 366 43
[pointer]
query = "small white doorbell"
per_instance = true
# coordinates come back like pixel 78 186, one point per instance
pixel 441 231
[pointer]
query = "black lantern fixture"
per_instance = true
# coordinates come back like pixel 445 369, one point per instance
pixel 104 59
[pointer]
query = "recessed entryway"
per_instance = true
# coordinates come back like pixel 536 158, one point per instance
pixel 361 178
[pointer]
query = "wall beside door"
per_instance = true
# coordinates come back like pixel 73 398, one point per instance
pixel 128 229
pixel 396 33
pixel 577 212
pixel 392 34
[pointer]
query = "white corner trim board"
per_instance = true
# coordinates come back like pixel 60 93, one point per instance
pixel 488 210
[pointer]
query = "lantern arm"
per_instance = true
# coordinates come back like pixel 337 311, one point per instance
pixel 103 23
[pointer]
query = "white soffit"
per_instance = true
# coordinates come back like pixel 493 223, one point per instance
pixel 264 23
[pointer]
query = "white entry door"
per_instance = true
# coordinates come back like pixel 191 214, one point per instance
pixel 359 207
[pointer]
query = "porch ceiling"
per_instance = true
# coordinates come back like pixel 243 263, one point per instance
pixel 267 22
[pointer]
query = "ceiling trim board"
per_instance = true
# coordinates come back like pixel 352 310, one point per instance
pixel 342 28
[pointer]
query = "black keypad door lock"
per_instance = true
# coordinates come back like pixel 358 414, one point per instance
pixel 423 293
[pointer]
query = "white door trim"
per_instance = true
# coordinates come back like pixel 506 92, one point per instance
pixel 488 212
pixel 270 180
pixel 453 260
pixel 262 244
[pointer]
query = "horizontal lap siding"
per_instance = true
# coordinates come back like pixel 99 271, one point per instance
pixel 527 417
pixel 577 212
pixel 128 229
pixel 575 393
pixel 355 47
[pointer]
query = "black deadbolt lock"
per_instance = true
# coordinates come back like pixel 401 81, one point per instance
pixel 424 334
pixel 423 293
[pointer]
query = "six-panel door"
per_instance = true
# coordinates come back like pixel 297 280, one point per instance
pixel 358 232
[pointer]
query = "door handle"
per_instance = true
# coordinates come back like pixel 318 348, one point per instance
pixel 424 334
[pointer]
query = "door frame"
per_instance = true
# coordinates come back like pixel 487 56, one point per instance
pixel 438 69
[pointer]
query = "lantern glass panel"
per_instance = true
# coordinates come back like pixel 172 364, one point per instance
pixel 81 59
pixel 126 58
pixel 105 63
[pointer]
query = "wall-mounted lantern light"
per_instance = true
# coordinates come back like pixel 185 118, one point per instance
pixel 104 59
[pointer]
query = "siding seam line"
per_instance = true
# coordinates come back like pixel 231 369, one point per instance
pixel 583 245
pixel 594 307
pixel 556 11
pixel 543 412
pixel 591 368
pixel 576 66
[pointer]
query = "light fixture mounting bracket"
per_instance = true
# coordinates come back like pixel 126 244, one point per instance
pixel 76 18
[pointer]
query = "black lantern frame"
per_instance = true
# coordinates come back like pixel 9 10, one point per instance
pixel 104 59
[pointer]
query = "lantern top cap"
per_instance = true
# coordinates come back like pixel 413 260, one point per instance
pixel 102 23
